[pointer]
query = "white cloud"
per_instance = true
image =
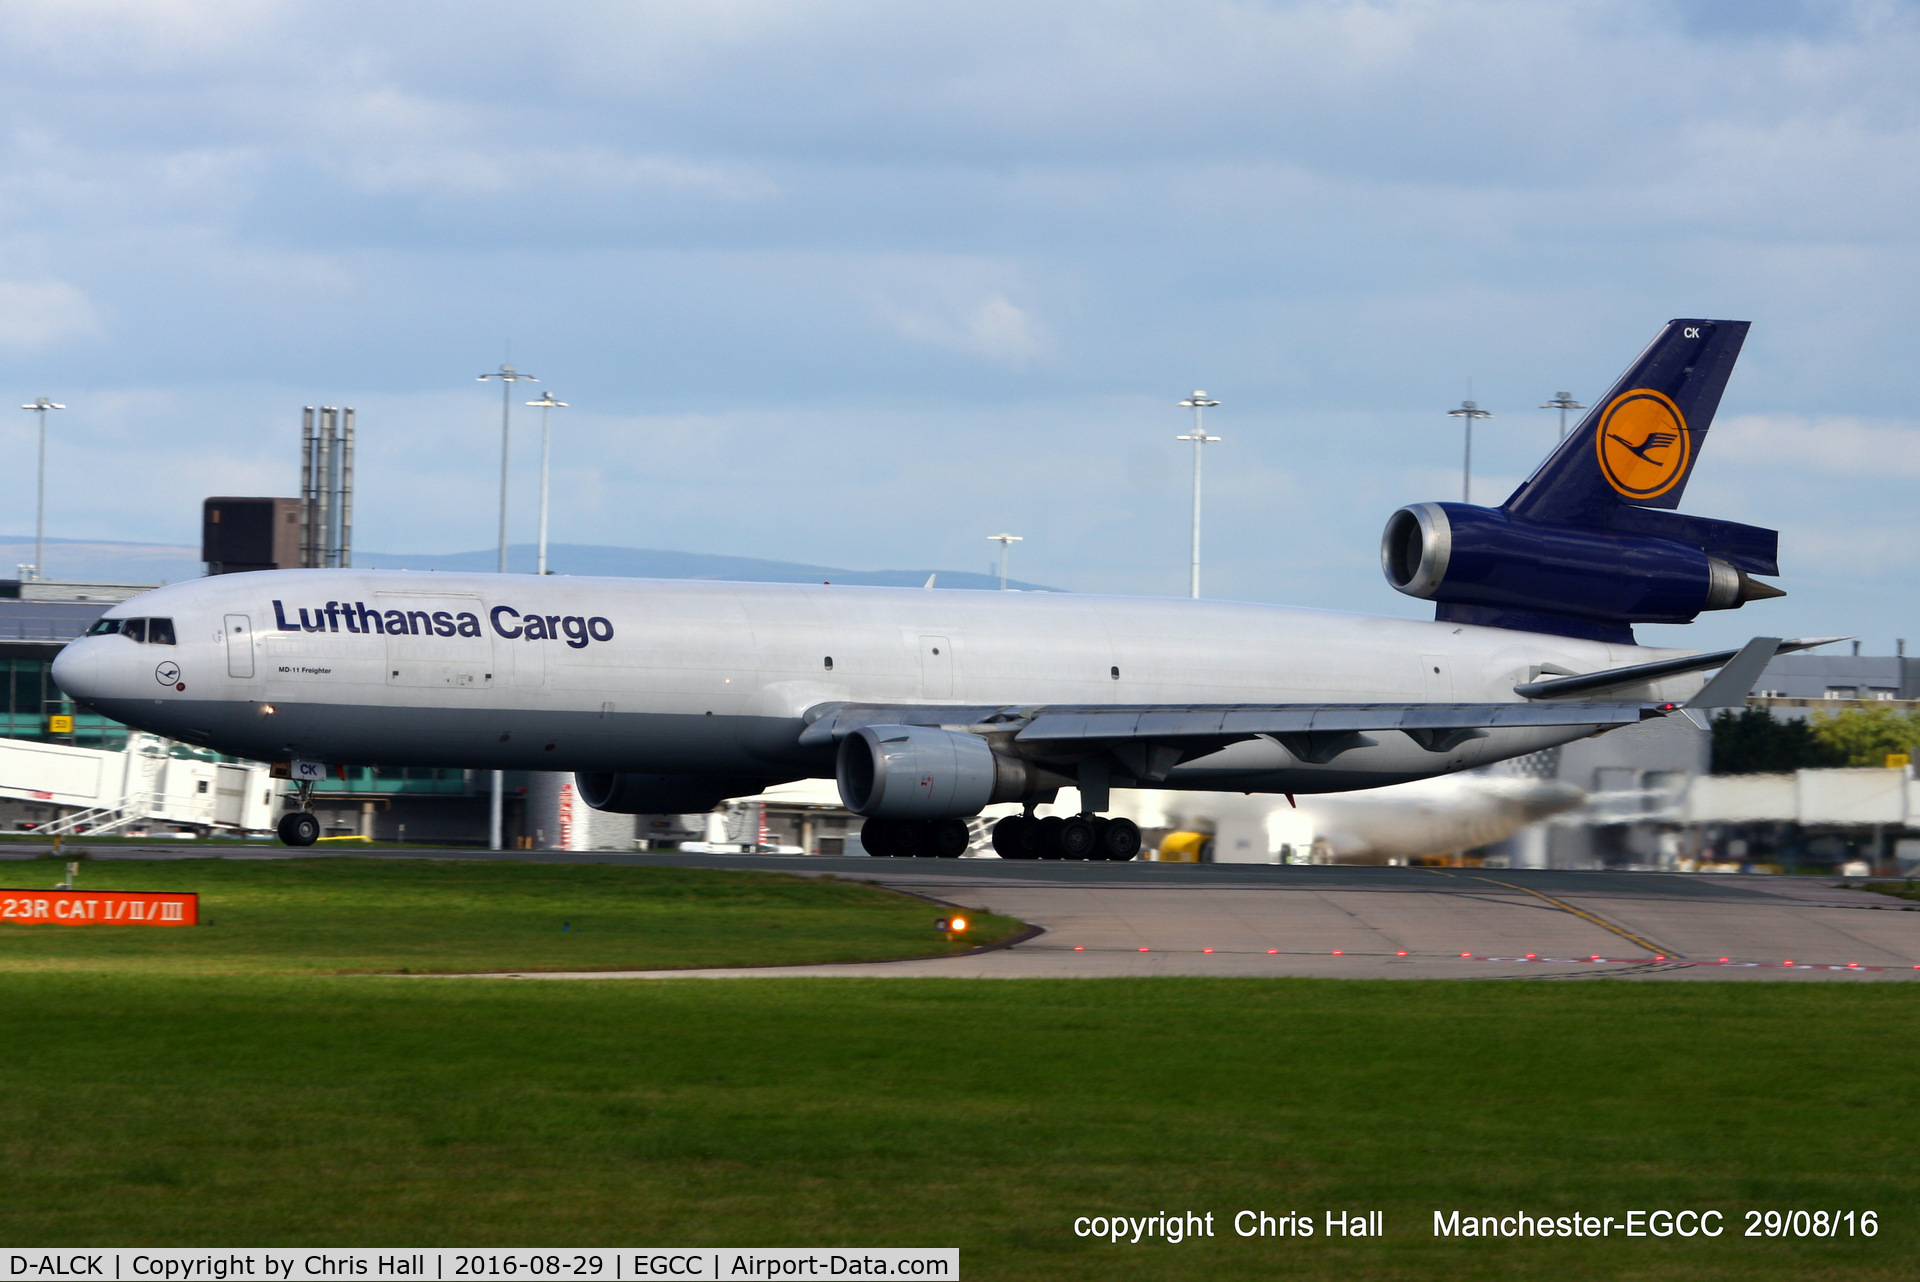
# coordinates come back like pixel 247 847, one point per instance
pixel 994 327
pixel 1836 446
pixel 38 314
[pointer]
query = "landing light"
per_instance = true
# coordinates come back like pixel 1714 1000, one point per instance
pixel 266 709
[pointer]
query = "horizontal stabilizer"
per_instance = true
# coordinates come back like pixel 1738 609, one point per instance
pixel 1589 683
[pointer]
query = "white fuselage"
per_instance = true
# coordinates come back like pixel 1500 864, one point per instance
pixel 703 678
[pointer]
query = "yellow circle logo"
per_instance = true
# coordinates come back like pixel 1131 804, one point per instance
pixel 1644 444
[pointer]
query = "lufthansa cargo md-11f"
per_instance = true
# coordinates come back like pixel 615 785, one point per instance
pixel 929 705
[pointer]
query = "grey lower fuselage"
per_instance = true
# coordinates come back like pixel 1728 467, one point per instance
pixel 704 678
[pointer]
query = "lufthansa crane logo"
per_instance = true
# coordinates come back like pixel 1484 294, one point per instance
pixel 1644 444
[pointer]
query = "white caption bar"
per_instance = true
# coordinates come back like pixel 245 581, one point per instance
pixel 443 1264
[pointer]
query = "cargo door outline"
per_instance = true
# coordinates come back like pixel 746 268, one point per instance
pixel 432 662
pixel 239 646
pixel 936 668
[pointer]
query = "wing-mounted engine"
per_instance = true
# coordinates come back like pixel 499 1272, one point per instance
pixel 926 772
pixel 1590 545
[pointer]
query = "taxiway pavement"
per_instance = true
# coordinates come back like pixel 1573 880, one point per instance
pixel 1100 920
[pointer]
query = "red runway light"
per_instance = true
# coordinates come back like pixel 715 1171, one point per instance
pixel 1531 957
pixel 1275 952
pixel 1787 962
pixel 1079 948
pixel 1659 959
pixel 1401 953
pixel 1723 960
pixel 1339 952
pixel 1206 950
pixel 1143 950
pixel 1466 954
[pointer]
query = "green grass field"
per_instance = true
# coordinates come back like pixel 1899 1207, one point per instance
pixel 178 1106
pixel 354 915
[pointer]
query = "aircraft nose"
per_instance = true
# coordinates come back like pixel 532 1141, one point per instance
pixel 76 670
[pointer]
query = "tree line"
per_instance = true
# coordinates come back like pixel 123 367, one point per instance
pixel 1752 741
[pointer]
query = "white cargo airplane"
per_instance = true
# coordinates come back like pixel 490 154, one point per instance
pixel 1402 821
pixel 929 705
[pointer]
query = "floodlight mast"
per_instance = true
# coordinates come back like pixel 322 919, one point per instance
pixel 1197 403
pixel 1006 542
pixel 1563 401
pixel 40 405
pixel 507 376
pixel 1469 410
pixel 547 406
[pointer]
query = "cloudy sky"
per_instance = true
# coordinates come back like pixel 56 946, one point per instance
pixel 862 283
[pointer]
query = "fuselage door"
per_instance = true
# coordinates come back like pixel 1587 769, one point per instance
pixel 239 646
pixel 936 668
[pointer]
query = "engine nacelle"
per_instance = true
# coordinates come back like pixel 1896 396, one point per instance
pixel 923 772
pixel 1484 559
pixel 637 794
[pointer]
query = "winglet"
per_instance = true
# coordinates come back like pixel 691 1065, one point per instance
pixel 1729 689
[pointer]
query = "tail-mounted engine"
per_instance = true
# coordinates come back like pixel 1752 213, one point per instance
pixel 1483 565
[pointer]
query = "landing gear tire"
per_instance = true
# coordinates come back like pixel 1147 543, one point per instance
pixel 299 828
pixel 947 839
pixel 879 838
pixel 1016 837
pixel 1049 837
pixel 1119 841
pixel 1076 838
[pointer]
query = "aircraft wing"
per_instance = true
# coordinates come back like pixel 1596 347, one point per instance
pixel 1153 738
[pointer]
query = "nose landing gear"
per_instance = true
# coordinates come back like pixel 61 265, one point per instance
pixel 300 827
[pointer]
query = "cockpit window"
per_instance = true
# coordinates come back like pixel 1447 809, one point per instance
pixel 150 631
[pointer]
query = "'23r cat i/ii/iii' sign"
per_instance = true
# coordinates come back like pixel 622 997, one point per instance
pixel 1644 444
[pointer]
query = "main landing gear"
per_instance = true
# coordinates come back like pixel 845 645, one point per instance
pixel 916 838
pixel 1073 837
pixel 300 827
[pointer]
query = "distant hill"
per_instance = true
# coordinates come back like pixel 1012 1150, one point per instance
pixel 654 563
pixel 92 561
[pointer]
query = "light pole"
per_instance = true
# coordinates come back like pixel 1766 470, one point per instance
pixel 507 376
pixel 1563 401
pixel 1469 410
pixel 1197 403
pixel 547 406
pixel 1006 542
pixel 40 406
